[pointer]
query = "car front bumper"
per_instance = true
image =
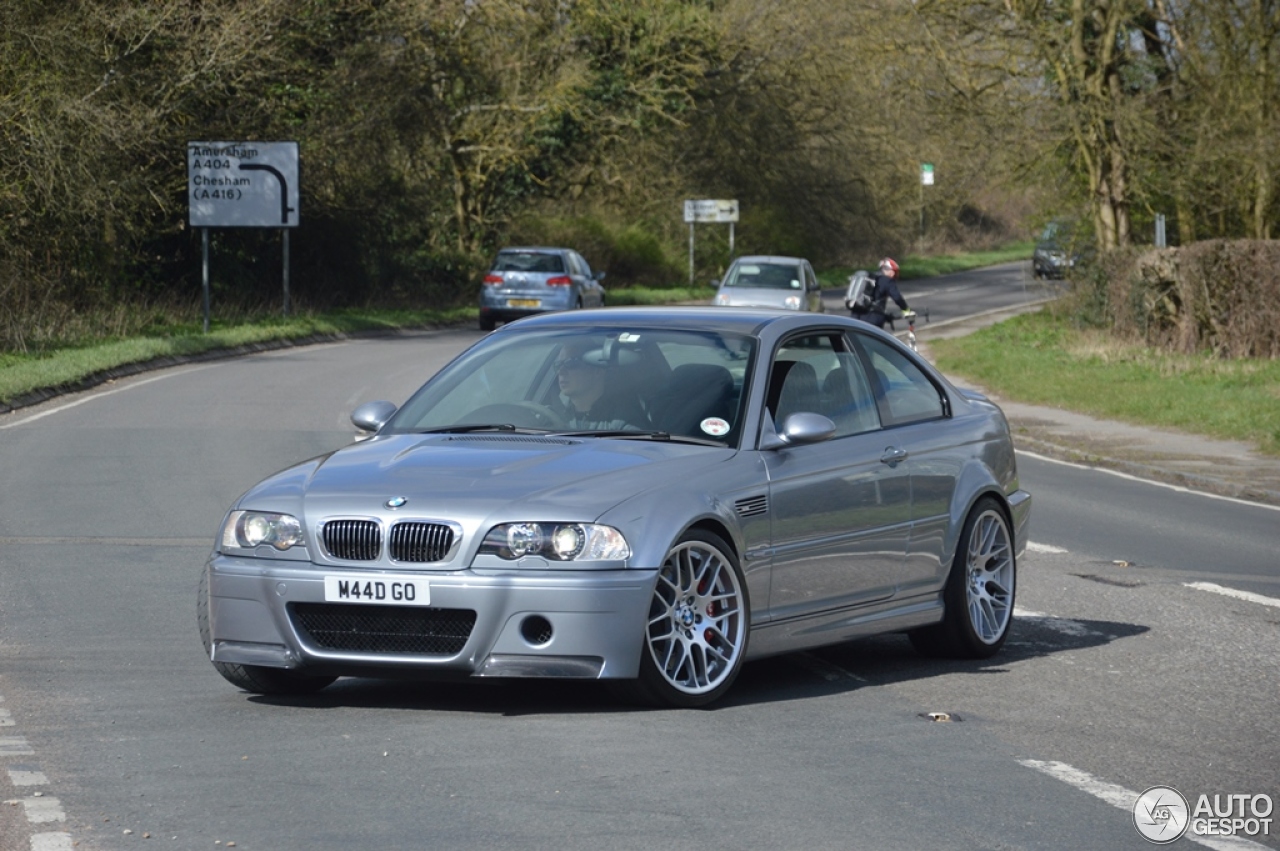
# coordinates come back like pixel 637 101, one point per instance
pixel 527 623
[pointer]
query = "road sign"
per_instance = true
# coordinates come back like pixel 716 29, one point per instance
pixel 926 174
pixel 710 211
pixel 242 184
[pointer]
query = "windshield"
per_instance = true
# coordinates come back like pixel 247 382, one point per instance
pixel 773 276
pixel 637 382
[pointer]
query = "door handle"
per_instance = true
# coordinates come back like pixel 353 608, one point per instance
pixel 892 455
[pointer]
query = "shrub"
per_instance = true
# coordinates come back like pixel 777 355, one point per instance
pixel 1220 295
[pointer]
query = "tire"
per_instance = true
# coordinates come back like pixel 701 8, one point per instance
pixel 487 324
pixel 698 626
pixel 251 678
pixel 978 599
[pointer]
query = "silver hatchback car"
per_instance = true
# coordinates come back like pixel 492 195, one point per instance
pixel 645 496
pixel 524 281
pixel 787 283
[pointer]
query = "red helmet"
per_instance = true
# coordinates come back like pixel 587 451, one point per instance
pixel 888 264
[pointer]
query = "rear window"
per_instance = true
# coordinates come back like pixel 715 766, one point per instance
pixel 764 275
pixel 528 261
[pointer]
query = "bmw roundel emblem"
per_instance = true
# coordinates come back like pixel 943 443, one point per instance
pixel 396 502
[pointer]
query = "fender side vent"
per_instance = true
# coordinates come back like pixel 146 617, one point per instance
pixel 751 506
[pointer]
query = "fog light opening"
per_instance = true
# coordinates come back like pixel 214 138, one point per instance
pixel 536 630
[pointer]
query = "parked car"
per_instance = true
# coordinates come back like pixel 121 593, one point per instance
pixel 796 481
pixel 767 281
pixel 524 281
pixel 1057 251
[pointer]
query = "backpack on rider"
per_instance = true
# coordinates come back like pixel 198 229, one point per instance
pixel 861 293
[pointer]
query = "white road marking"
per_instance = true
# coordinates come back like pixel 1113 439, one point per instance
pixel 20 776
pixel 1066 626
pixel 51 842
pixel 39 808
pixel 43 810
pixel 1232 592
pixel 1122 798
pixel 1033 547
pixel 1133 478
pixel 100 395
pixel 14 746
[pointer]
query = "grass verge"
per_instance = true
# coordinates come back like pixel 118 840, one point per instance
pixel 913 266
pixel 1044 359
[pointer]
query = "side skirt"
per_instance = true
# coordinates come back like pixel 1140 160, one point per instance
pixel 833 627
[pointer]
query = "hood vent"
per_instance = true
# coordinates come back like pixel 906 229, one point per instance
pixel 752 506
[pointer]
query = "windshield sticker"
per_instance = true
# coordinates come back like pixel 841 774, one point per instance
pixel 714 426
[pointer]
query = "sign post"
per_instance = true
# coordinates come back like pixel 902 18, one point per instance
pixel 926 179
pixel 709 211
pixel 242 185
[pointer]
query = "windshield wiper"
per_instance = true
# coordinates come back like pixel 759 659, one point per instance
pixel 634 434
pixel 465 428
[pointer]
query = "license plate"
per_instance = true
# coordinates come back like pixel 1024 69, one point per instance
pixel 523 302
pixel 379 590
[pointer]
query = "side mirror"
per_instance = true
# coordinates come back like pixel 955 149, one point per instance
pixel 599 276
pixel 371 416
pixel 798 429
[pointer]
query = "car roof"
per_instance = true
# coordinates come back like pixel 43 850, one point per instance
pixel 537 249
pixel 768 258
pixel 740 320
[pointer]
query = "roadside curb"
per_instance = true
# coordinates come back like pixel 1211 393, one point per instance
pixel 1191 481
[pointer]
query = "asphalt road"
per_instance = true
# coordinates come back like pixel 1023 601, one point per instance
pixel 1117 677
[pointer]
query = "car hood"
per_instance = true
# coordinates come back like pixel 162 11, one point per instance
pixel 759 296
pixel 478 475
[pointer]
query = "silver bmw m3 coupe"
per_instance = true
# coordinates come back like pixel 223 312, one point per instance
pixel 645 496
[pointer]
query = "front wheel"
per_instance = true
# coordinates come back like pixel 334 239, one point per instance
pixel 696 632
pixel 978 600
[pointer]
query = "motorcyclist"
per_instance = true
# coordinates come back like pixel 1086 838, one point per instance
pixel 884 288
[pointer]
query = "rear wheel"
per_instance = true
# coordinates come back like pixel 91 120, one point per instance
pixel 251 678
pixel 696 633
pixel 487 323
pixel 978 599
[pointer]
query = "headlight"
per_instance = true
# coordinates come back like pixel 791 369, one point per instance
pixel 792 302
pixel 556 541
pixel 249 529
pixel 723 299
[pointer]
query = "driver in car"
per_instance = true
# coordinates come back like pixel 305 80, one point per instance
pixel 594 401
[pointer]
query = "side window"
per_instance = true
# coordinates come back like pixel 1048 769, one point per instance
pixel 847 397
pixel 819 374
pixel 793 378
pixel 811 280
pixel 906 393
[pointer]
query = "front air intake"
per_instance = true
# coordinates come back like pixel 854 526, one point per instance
pixel 391 630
